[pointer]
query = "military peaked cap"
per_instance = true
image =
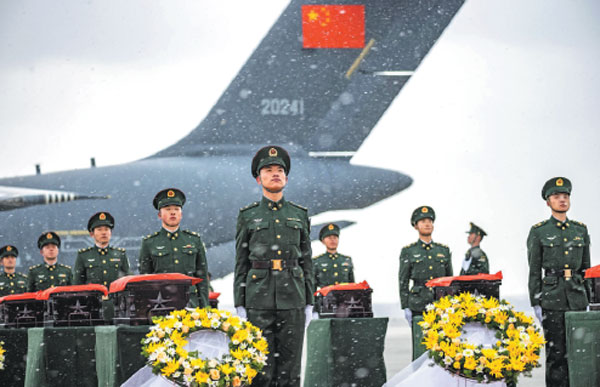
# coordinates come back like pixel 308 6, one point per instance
pixel 8 251
pixel 167 197
pixel 270 155
pixel 422 213
pixel 100 219
pixel 47 238
pixel 475 229
pixel 556 185
pixel 330 229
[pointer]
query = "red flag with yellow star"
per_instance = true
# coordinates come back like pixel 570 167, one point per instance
pixel 333 26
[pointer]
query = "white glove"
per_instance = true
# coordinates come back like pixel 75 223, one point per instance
pixel 241 311
pixel 466 264
pixel 308 313
pixel 408 315
pixel 538 312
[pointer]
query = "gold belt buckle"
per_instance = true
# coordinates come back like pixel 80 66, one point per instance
pixel 568 274
pixel 276 264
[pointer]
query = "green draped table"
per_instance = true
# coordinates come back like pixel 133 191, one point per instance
pixel 15 357
pixel 82 356
pixel 418 348
pixel 583 348
pixel 345 351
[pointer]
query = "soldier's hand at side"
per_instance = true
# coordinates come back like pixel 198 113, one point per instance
pixel 538 312
pixel 308 311
pixel 408 315
pixel 241 311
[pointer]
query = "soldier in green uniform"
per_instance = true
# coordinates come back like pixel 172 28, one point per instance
pixel 273 280
pixel 172 250
pixel 476 260
pixel 101 263
pixel 11 282
pixel 421 261
pixel 50 273
pixel 558 251
pixel 332 268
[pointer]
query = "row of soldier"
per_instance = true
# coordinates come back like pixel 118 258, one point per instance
pixel 274 278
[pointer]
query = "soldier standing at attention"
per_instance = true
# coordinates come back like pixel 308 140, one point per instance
pixel 50 273
pixel 273 281
pixel 172 250
pixel 11 282
pixel 558 251
pixel 100 264
pixel 331 268
pixel 421 261
pixel 475 261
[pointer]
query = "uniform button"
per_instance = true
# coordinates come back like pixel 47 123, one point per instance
pixel 253 276
pixel 565 239
pixel 105 283
pixel 336 282
pixel 278 236
pixel 12 284
pixel 430 267
pixel 566 253
pixel 429 257
pixel 12 291
pixel 335 274
pixel 558 223
pixel 51 277
pixel 104 261
pixel 335 265
pixel 176 261
pixel 563 227
pixel 566 265
pixel 104 271
pixel 431 277
pixel 324 269
pixel 278 252
pixel 276 220
pixel 174 248
pixel 102 253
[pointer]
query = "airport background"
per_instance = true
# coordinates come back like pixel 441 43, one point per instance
pixel 506 99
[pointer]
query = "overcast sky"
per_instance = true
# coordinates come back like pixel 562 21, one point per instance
pixel 506 99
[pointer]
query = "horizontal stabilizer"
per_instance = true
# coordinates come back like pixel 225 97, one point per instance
pixel 18 197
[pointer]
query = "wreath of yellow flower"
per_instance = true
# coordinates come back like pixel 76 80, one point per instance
pixel 517 349
pixel 164 346
pixel 2 350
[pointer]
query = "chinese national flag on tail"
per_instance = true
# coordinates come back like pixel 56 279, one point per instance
pixel 333 26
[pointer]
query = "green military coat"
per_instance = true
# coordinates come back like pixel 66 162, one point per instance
pixel 12 283
pixel 421 262
pixel 332 269
pixel 556 246
pixel 182 252
pixel 267 232
pixel 44 276
pixel 100 266
pixel 479 262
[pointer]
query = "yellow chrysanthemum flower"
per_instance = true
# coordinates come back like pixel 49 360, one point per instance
pixel 171 367
pixel 470 363
pixel 201 377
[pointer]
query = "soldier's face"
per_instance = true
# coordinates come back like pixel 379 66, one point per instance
pixel 331 242
pixel 272 178
pixel 9 262
pixel 170 215
pixel 424 227
pixel 101 234
pixel 49 251
pixel 559 202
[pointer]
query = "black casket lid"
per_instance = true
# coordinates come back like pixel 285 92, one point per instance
pixel 45 294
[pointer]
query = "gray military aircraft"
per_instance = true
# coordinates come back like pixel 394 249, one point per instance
pixel 320 104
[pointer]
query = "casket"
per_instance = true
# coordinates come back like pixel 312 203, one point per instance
pixel 487 285
pixel 345 300
pixel 21 311
pixel 75 305
pixel 213 299
pixel 138 298
pixel 593 276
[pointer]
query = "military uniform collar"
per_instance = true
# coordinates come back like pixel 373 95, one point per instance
pixel 50 267
pixel 171 234
pixel 424 245
pixel 9 275
pixel 334 255
pixel 102 251
pixel 560 224
pixel 274 206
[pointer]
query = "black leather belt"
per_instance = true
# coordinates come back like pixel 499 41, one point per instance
pixel 419 282
pixel 275 264
pixel 566 273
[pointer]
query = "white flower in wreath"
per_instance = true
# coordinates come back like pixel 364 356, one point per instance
pixel 429 307
pixel 512 320
pixel 448 360
pixel 213 363
pixel 468 352
pixel 171 351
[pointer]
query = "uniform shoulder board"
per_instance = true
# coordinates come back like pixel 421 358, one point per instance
pixel 84 249
pixel 251 205
pixel 35 266
pixel 63 265
pixel 23 275
pixel 319 256
pixel 579 223
pixel 409 245
pixel 441 244
pixel 298 205
pixel 540 223
pixel 150 235
pixel 191 233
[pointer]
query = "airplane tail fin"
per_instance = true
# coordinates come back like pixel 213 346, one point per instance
pixel 321 100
